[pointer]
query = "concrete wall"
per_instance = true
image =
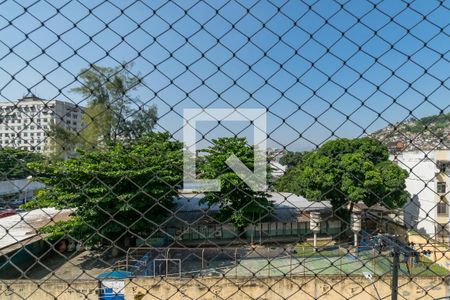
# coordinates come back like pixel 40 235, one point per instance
pixel 48 290
pixel 324 287
pixel 420 212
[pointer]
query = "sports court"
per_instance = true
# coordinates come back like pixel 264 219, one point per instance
pixel 264 262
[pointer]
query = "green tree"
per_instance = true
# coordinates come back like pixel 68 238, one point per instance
pixel 114 112
pixel 238 203
pixel 117 193
pixel 13 163
pixel 61 142
pixel 348 171
pixel 291 159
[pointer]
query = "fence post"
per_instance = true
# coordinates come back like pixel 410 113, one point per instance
pixel 395 267
pixel 290 261
pixel 235 263
pixel 203 261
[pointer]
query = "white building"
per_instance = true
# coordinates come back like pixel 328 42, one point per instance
pixel 427 211
pixel 277 169
pixel 25 124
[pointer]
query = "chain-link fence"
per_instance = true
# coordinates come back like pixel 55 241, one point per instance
pixel 286 149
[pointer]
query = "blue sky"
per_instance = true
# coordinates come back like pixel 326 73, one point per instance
pixel 324 69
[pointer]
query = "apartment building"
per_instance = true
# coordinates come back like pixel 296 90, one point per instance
pixel 25 124
pixel 428 183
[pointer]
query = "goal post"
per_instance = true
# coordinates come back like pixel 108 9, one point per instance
pixel 166 266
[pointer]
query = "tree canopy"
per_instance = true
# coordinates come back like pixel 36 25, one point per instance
pixel 122 191
pixel 61 141
pixel 113 112
pixel 13 163
pixel 291 159
pixel 238 203
pixel 346 171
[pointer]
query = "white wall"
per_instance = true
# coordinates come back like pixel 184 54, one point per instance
pixel 420 211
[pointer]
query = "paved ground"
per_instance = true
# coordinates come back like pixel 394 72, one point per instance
pixel 86 265
pixel 69 266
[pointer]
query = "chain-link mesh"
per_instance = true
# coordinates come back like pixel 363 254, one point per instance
pixel 224 149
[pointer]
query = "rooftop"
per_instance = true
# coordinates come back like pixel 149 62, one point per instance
pixel 286 207
pixel 192 202
pixel 20 185
pixel 21 227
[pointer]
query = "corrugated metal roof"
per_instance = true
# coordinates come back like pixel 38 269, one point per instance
pixel 19 185
pixel 286 207
pixel 191 202
pixel 22 226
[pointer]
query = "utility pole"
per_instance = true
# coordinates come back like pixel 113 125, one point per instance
pixel 314 225
pixel 395 267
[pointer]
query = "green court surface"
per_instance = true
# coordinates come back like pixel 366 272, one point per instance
pixel 351 264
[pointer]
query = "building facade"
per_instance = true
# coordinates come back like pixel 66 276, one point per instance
pixel 25 124
pixel 427 211
pixel 195 223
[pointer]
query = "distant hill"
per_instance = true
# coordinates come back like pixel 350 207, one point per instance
pixel 427 133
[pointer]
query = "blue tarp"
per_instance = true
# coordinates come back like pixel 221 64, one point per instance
pixel 115 275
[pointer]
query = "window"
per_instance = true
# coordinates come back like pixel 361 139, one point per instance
pixel 442 208
pixel 441 187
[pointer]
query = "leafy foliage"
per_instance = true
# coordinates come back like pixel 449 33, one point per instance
pixel 291 159
pixel 432 123
pixel 61 142
pixel 347 171
pixel 13 163
pixel 120 192
pixel 113 113
pixel 238 203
